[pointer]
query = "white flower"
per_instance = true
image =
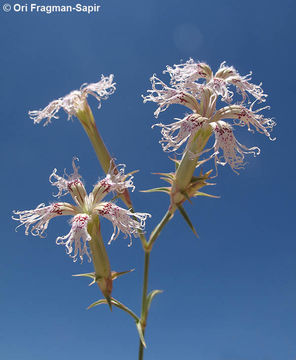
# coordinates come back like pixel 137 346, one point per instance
pixel 78 231
pixel 219 86
pixel 188 72
pixel 41 216
pixel 243 116
pixel 233 151
pixel 75 101
pixel 242 83
pixel 176 133
pixel 199 84
pixel 164 96
pixel 116 180
pixel 65 185
pixel 123 220
pixel 87 206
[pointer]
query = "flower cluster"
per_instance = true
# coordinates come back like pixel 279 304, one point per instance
pixel 194 85
pixel 75 101
pixel 86 207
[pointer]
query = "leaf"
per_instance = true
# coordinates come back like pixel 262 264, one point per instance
pixel 186 217
pixel 150 297
pixel 117 304
pixel 141 335
pixel 127 310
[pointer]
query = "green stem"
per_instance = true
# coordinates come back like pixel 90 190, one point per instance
pixel 155 233
pixel 144 311
pixel 86 119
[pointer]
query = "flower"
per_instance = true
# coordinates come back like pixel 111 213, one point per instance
pixel 226 76
pixel 78 230
pixel 233 151
pixel 75 101
pixel 186 129
pixel 41 216
pixel 123 220
pixel 201 88
pixel 87 207
pixel 188 73
pixel 165 96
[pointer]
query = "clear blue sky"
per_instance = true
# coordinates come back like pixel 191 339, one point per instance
pixel 229 295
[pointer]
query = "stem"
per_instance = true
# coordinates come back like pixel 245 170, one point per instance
pixel 155 233
pixel 144 311
pixel 86 119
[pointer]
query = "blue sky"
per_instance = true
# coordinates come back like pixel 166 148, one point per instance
pixel 229 295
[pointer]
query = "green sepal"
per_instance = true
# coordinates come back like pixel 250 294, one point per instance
pixel 89 275
pixel 160 189
pixel 140 332
pixel 167 175
pixel 150 297
pixel 188 221
pixel 186 196
pixel 168 180
pixel 115 274
pixel 177 162
pixel 199 193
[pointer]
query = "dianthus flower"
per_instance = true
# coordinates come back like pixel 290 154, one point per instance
pixel 75 102
pixel 85 209
pixel 194 85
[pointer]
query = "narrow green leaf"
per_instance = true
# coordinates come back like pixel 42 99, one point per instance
pixel 96 303
pixel 150 297
pixel 117 304
pixel 188 221
pixel 140 331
